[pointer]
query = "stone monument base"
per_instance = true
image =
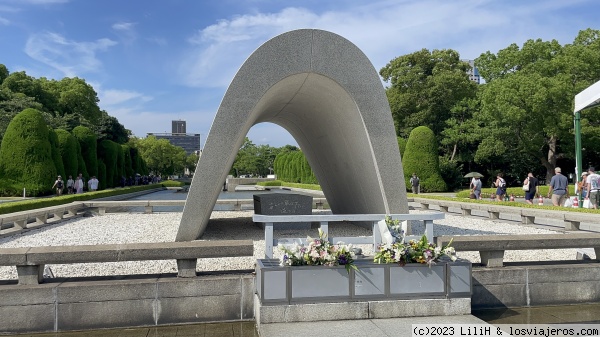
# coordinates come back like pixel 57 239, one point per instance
pixel 287 313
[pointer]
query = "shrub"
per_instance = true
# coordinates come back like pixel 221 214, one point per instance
pixel 451 173
pixel 68 147
pixel 172 183
pixel 120 164
pixel 25 205
pixel 82 166
pixel 128 162
pixel 421 156
pixel 101 175
pixel 293 167
pixel 26 154
pixel 88 149
pixel 401 145
pixel 270 183
pixel 55 152
pixel 107 153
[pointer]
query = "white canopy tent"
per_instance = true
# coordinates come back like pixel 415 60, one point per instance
pixel 588 98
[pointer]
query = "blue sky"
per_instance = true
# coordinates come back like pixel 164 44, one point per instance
pixel 152 61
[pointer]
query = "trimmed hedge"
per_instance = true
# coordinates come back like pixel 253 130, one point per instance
pixel 128 162
pixel 516 191
pixel 18 206
pixel 294 168
pixel 56 157
pixel 314 187
pixel 68 146
pixel 108 153
pixel 88 149
pixel 101 175
pixel 509 203
pixel 421 156
pixel 401 145
pixel 26 155
pixel 172 183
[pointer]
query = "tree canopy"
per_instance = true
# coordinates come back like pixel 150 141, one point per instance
pixel 519 120
pixel 64 104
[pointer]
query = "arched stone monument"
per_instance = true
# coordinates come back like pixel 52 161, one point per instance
pixel 323 90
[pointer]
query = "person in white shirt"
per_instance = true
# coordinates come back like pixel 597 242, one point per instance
pixel 93 184
pixel 593 187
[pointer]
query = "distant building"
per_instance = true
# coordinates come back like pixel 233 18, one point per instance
pixel 178 126
pixel 190 142
pixel 473 72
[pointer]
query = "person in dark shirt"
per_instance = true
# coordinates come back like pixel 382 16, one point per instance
pixel 533 188
pixel 559 188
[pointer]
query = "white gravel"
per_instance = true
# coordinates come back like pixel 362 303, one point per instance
pixel 114 228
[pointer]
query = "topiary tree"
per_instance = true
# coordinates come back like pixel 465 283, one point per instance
pixel 58 163
pixel 68 147
pixel 26 154
pixel 101 175
pixel 128 162
pixel 107 153
pixel 120 164
pixel 401 145
pixel 89 151
pixel 421 156
pixel 136 160
pixel 82 167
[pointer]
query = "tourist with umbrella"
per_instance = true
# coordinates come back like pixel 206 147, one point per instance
pixel 475 185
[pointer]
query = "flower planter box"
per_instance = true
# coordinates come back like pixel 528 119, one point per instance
pixel 317 284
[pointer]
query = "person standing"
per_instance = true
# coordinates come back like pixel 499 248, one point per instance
pixel 581 187
pixel 93 184
pixel 59 184
pixel 500 184
pixel 533 188
pixel 476 190
pixel 559 188
pixel 593 187
pixel 414 183
pixel 78 186
pixel 70 184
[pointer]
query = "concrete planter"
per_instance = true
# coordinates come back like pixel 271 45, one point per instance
pixel 318 284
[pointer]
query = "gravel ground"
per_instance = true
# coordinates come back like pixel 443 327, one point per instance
pixel 115 228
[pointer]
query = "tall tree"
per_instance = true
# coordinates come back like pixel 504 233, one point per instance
pixel 527 103
pixel 79 98
pixel 161 157
pixel 424 87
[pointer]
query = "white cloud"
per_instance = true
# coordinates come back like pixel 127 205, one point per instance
pixel 113 97
pixel 4 21
pixel 381 29
pixel 123 26
pixel 68 56
pixel 125 31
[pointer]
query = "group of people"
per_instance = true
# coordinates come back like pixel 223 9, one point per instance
pixel 588 187
pixel 476 186
pixel 75 186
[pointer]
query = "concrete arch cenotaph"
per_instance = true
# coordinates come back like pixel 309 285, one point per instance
pixel 326 93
